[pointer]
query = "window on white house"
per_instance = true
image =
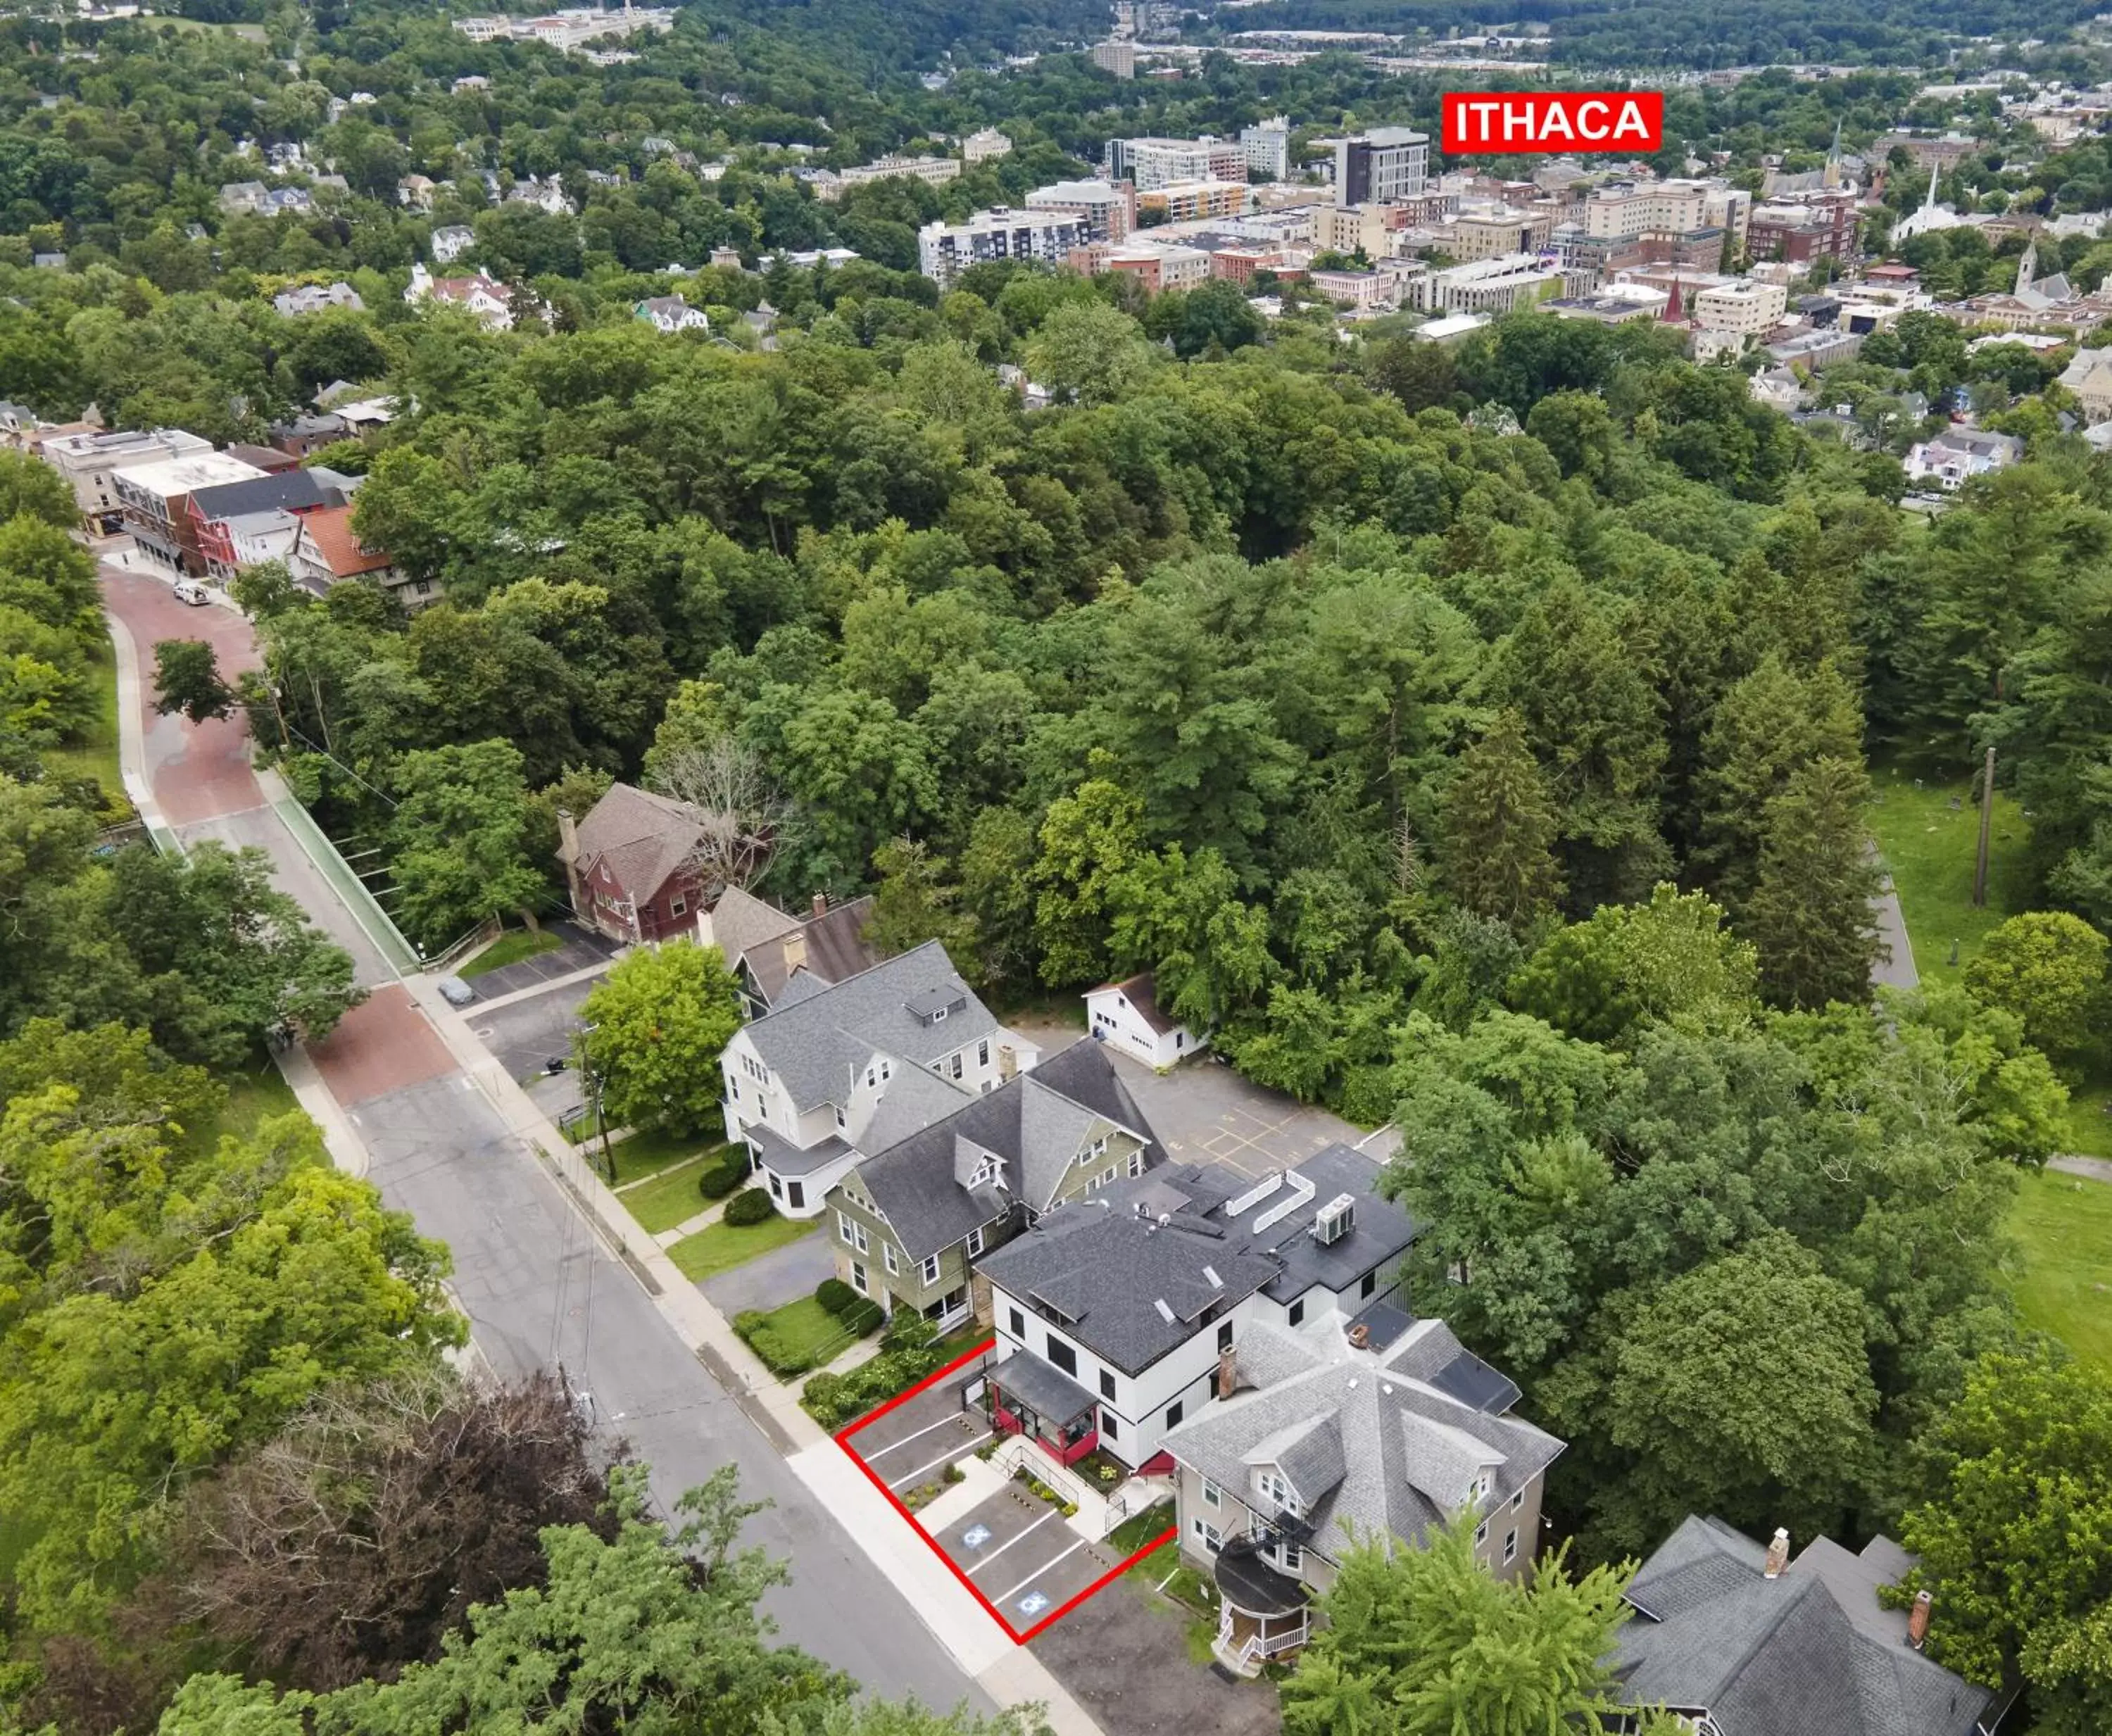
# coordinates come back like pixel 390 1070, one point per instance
pixel 1212 1496
pixel 1136 1161
pixel 1107 1384
pixel 887 1253
pixel 1296 1312
pixel 1173 1414
pixel 930 1269
pixel 1225 1336
pixel 938 1017
pixel 858 1278
pixel 840 1118
pixel 956 1067
pixel 975 1241
pixel 1107 1426
pixel 1208 1536
pixel 1290 1558
pixel 1018 1324
pixel 1371 1283
pixel 982 1053
pixel 1064 1357
pixel 1481 1534
pixel 857 1236
pixel 1518 1501
pixel 1510 1545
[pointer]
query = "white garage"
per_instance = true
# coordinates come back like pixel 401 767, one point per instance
pixel 1126 1015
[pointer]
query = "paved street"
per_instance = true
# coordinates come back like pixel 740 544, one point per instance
pixel 581 950
pixel 523 1033
pixel 534 1283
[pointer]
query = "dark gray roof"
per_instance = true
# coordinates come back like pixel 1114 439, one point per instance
pixel 789 1159
pixel 1807 1654
pixel 817 1045
pixel 1048 1393
pixel 1106 1265
pixel 1368 1448
pixel 917 1181
pixel 289 489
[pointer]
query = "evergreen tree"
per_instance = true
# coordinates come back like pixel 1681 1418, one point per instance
pixel 1766 726
pixel 1811 912
pixel 1499 829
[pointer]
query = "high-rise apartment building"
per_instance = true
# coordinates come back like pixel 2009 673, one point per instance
pixel 1379 167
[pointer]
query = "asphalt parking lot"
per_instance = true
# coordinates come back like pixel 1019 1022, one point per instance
pixel 1016 1550
pixel 922 1436
pixel 1201 1110
pixel 522 1034
pixel 581 950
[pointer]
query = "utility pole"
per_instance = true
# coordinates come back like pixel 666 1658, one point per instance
pixel 1987 825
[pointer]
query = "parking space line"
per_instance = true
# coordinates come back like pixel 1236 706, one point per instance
pixel 1008 1543
pixel 943 1422
pixel 945 1458
pixel 1040 1570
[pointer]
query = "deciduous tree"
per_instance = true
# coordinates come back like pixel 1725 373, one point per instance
pixel 654 1027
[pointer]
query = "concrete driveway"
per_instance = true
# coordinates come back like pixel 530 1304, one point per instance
pixel 1202 1111
pixel 771 1280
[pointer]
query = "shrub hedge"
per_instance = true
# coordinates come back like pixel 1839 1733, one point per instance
pixel 751 1206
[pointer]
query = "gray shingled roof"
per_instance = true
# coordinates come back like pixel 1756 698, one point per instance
pixel 741 922
pixel 290 488
pixel 1798 1654
pixel 914 1181
pixel 1106 1265
pixel 816 1045
pixel 1398 1458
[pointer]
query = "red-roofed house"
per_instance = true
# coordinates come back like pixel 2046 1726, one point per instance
pixel 489 300
pixel 327 551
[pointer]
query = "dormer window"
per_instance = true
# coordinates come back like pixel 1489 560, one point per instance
pixel 938 1017
pixel 1478 1491
pixel 1275 1486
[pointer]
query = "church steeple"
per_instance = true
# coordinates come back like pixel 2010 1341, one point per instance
pixel 1935 169
pixel 1674 311
pixel 1832 178
pixel 2028 267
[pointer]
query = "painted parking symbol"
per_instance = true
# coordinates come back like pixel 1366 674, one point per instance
pixel 974 1537
pixel 1033 1604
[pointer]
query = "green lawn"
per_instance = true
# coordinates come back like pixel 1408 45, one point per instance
pixel 800 1336
pixel 1929 846
pixel 2065 1223
pixel 95 754
pixel 257 1091
pixel 720 1246
pixel 669 1198
pixel 2089 1120
pixel 511 948
pixel 649 1154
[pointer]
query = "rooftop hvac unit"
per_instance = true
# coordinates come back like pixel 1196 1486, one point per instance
pixel 1337 1218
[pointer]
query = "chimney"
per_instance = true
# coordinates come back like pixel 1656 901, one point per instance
pixel 820 903
pixel 795 952
pixel 1360 1335
pixel 1918 1620
pixel 1228 1374
pixel 568 836
pixel 1778 1555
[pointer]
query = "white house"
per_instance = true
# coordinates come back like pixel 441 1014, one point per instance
pixel 1113 1314
pixel 1126 1015
pixel 450 241
pixel 1958 454
pixel 1382 1427
pixel 487 299
pixel 671 313
pixel 2089 376
pixel 833 1073
pixel 315 298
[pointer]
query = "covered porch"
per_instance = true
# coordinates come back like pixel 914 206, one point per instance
pixel 1026 1395
pixel 1262 1613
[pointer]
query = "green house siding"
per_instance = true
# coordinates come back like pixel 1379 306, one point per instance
pixel 906 1285
pixel 1088 1167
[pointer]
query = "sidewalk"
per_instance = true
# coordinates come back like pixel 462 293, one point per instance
pixel 1006 1671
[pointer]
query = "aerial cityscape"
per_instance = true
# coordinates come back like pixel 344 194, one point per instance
pixel 1055 869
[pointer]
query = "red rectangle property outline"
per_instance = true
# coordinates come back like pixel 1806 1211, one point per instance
pixel 843 1439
